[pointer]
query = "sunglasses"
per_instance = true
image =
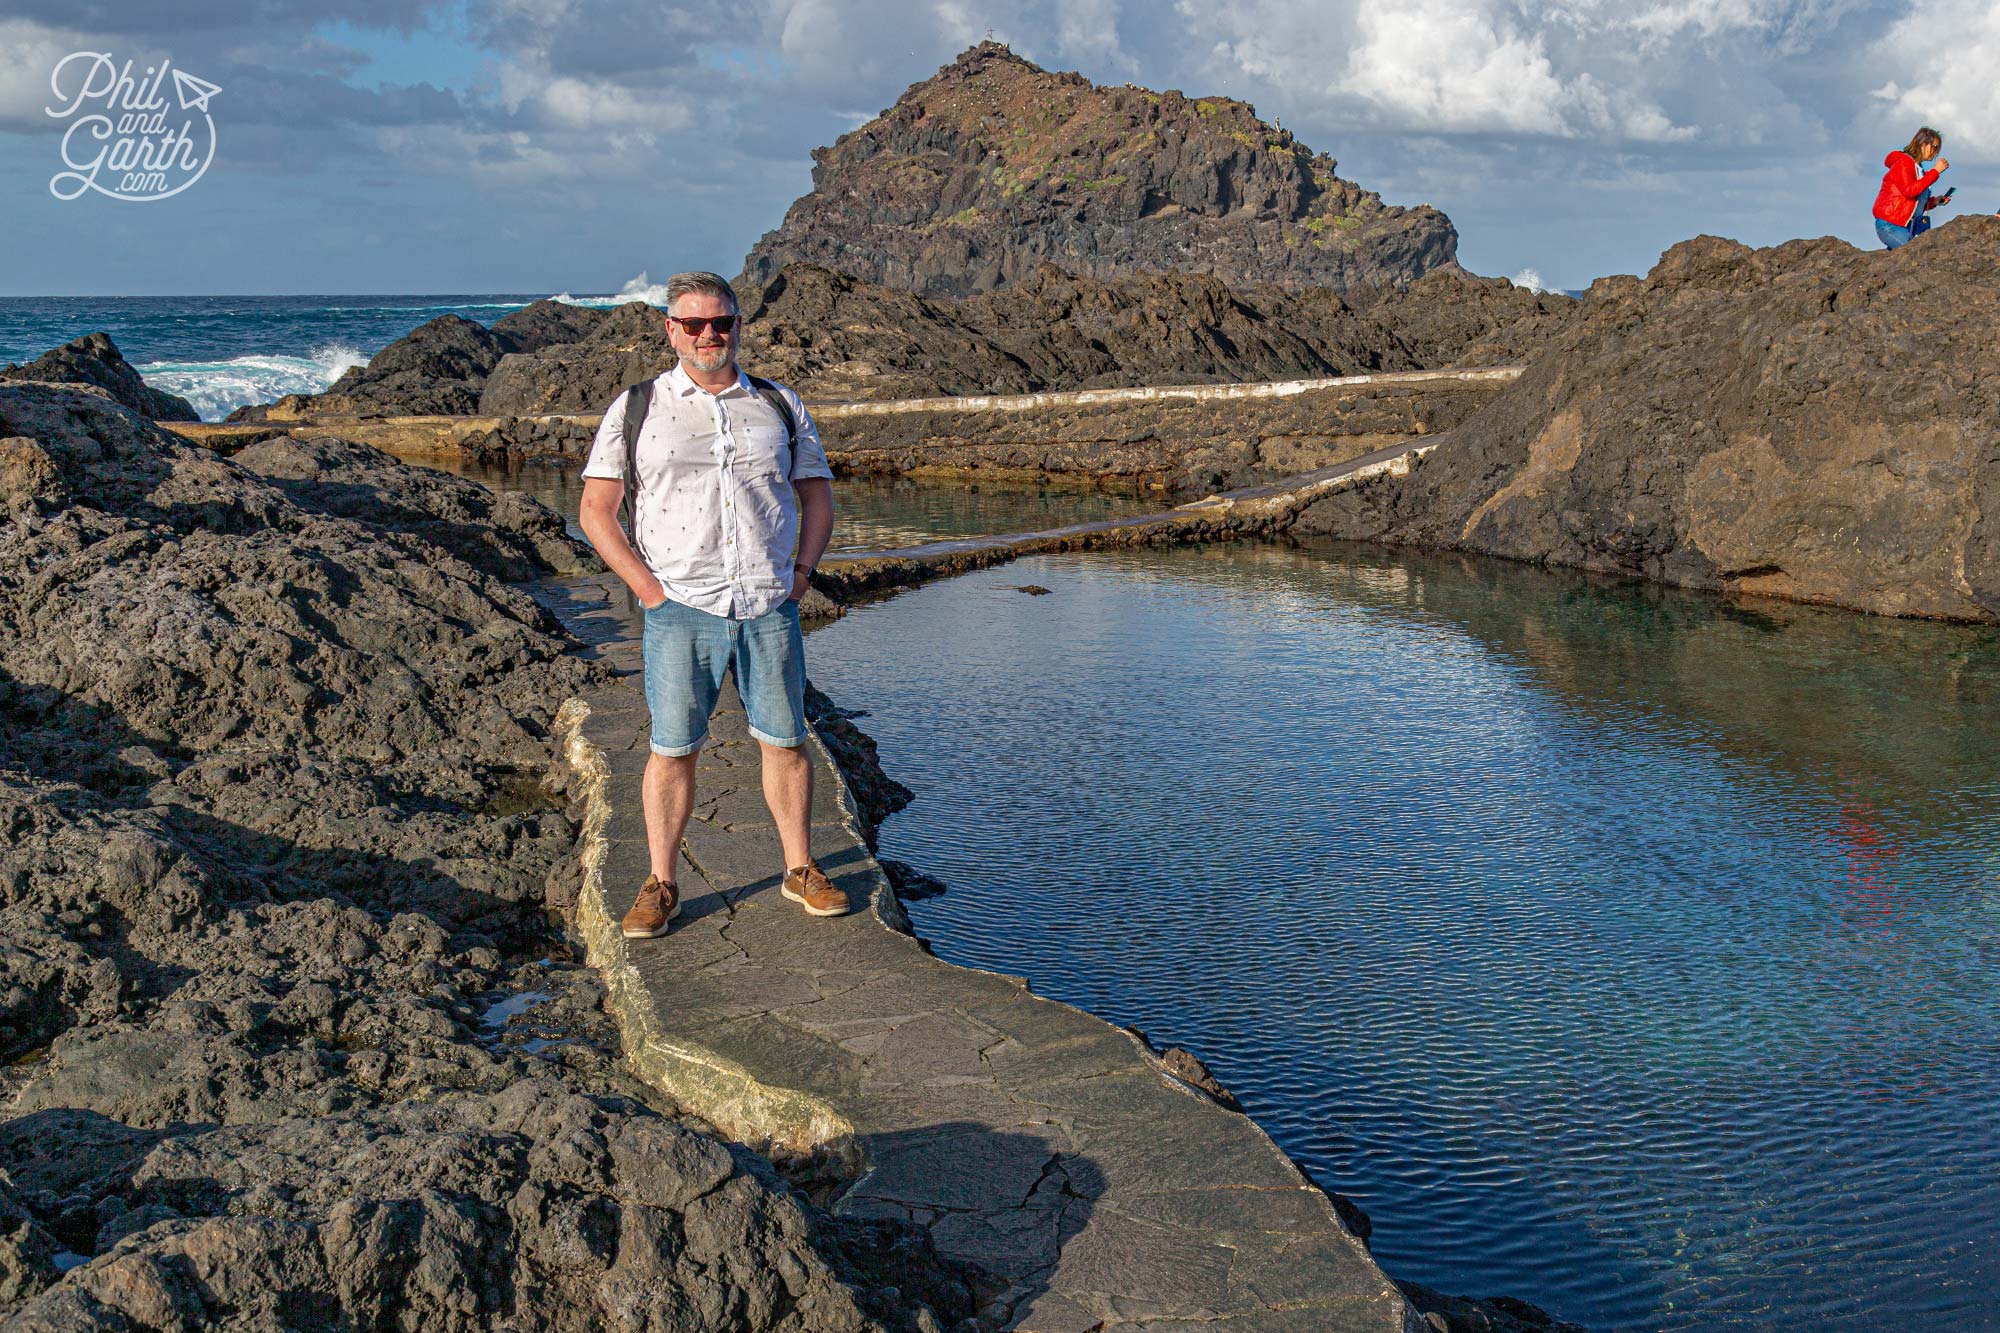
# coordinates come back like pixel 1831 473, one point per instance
pixel 694 325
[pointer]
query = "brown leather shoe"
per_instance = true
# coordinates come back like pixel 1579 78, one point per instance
pixel 659 902
pixel 814 891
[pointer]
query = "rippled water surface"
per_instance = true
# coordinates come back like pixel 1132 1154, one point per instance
pixel 1617 949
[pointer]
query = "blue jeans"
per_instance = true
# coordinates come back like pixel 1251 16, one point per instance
pixel 688 652
pixel 1920 222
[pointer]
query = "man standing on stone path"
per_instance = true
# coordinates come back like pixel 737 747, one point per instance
pixel 732 510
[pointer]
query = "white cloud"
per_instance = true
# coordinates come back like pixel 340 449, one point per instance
pixel 1945 62
pixel 33 51
pixel 1450 66
pixel 565 102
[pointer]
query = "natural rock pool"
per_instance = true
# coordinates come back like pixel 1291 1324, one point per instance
pixel 1623 950
pixel 877 513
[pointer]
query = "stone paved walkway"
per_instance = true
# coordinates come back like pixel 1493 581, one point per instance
pixel 1032 1139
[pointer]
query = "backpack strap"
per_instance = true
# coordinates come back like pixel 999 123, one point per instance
pixel 638 402
pixel 775 396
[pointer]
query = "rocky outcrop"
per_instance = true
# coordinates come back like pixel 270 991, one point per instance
pixel 1812 422
pixel 838 337
pixel 535 1207
pixel 545 323
pixel 835 337
pixel 94 359
pixel 1454 318
pixel 625 346
pixel 980 174
pixel 503 534
pixel 286 1039
pixel 436 368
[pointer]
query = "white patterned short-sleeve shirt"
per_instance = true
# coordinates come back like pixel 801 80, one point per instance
pixel 718 520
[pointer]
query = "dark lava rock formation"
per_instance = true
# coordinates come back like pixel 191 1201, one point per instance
pixel 435 369
pixel 833 336
pixel 95 359
pixel 1454 318
pixel 843 338
pixel 584 373
pixel 993 166
pixel 548 357
pixel 1812 422
pixel 275 896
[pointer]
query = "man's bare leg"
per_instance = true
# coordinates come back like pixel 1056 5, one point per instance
pixel 788 790
pixel 667 795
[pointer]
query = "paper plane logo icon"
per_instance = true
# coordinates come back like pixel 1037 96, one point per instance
pixel 194 93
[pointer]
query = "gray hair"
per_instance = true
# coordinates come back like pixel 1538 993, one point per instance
pixel 687 284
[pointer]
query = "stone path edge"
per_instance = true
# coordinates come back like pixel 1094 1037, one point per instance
pixel 766 1117
pixel 786 1121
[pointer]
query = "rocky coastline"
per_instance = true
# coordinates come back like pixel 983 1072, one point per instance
pixel 293 1036
pixel 293 1027
pixel 296 1033
pixel 1809 422
pixel 836 338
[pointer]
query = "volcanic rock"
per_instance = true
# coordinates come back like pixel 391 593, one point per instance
pixel 506 535
pixel 628 345
pixel 1811 421
pixel 839 337
pixel 991 167
pixel 1453 318
pixel 833 336
pixel 545 323
pixel 274 742
pixel 435 369
pixel 95 359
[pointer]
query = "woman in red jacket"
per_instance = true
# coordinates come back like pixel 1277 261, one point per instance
pixel 1906 189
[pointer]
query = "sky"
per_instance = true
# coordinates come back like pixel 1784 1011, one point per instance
pixel 541 146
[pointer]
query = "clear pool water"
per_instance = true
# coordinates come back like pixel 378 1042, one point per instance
pixel 1615 948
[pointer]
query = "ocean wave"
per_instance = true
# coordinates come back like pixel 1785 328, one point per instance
pixel 217 388
pixel 449 305
pixel 638 289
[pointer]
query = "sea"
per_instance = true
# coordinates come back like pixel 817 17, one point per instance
pixel 1618 948
pixel 224 352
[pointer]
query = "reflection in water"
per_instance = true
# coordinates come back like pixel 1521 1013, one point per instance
pixel 876 513
pixel 1617 948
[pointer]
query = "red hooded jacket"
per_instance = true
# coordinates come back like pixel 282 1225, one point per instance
pixel 1900 187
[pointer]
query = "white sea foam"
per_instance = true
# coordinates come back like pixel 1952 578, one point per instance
pixel 640 288
pixel 452 305
pixel 1530 279
pixel 217 388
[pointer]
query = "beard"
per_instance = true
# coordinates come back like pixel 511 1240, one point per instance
pixel 708 360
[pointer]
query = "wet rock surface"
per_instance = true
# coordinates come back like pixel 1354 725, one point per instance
pixel 1812 422
pixel 94 359
pixel 994 165
pixel 290 1035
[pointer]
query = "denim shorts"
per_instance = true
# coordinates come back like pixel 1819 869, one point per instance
pixel 687 654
